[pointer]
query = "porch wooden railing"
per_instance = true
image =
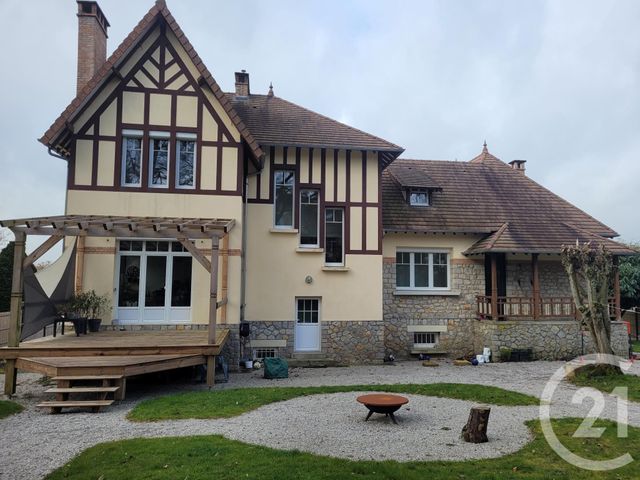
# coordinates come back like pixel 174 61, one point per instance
pixel 4 328
pixel 518 308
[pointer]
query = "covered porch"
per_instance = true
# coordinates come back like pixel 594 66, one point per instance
pixel 118 353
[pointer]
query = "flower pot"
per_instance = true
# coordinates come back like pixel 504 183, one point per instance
pixel 80 326
pixel 94 324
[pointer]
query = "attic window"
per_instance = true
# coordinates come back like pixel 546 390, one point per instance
pixel 419 197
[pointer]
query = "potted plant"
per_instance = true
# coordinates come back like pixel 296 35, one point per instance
pixel 97 306
pixel 78 311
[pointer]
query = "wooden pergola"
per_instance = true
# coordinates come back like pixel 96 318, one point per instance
pixel 183 230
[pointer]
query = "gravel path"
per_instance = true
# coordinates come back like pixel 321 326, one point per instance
pixel 35 443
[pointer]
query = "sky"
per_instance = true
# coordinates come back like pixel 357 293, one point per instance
pixel 556 83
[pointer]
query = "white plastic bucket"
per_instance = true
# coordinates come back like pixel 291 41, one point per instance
pixel 480 358
pixel 486 353
pixel 248 364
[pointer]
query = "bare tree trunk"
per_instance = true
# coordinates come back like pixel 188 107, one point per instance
pixel 475 431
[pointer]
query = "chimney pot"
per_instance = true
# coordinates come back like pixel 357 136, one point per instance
pixel 242 84
pixel 518 165
pixel 92 41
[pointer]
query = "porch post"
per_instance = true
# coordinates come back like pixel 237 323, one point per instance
pixel 213 297
pixel 79 264
pixel 616 289
pixel 15 318
pixel 494 287
pixel 536 285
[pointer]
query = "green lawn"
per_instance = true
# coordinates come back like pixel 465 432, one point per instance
pixel 232 402
pixel 206 457
pixel 8 407
pixel 609 382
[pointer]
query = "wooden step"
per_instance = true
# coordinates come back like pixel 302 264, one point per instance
pixel 72 378
pixel 83 390
pixel 94 405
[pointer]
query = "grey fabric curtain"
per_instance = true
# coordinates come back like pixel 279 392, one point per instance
pixel 40 307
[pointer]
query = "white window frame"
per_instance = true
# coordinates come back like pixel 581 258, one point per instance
pixel 310 245
pixel 159 136
pixel 144 254
pixel 137 134
pixel 430 288
pixel 435 336
pixel 190 137
pixel 419 190
pixel 341 263
pixel 293 199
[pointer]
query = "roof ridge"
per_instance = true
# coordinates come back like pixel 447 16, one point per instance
pixel 393 145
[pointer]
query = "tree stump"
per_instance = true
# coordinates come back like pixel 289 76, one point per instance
pixel 475 431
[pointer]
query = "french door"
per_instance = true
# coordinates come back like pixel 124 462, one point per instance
pixel 153 282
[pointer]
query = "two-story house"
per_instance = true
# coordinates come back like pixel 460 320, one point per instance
pixel 338 248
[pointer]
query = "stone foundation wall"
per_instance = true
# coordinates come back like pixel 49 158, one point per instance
pixel 456 310
pixel 549 340
pixel 346 342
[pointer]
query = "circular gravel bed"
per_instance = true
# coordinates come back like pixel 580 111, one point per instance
pixel 334 425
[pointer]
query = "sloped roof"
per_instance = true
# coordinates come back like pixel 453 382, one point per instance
pixel 486 196
pixel 407 177
pixel 159 10
pixel 275 121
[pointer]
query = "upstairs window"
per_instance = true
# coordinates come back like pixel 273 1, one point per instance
pixel 334 236
pixel 158 162
pixel 309 218
pixel 186 161
pixel 131 159
pixel 419 197
pixel 283 185
pixel 422 270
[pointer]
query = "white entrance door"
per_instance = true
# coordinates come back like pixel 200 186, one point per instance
pixel 307 330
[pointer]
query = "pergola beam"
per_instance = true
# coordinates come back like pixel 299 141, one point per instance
pixel 193 250
pixel 41 250
pixel 15 315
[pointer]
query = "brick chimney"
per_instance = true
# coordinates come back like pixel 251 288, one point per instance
pixel 518 165
pixel 242 84
pixel 92 41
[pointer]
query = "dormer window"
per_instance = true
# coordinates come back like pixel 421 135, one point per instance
pixel 419 197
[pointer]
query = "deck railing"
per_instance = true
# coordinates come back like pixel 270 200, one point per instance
pixel 518 308
pixel 4 328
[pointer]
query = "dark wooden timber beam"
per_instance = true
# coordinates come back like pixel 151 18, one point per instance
pixel 48 244
pixel 193 250
pixel 535 272
pixel 15 315
pixel 494 287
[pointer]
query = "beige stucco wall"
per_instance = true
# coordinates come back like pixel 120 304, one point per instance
pixel 276 276
pixel 456 243
pixel 99 271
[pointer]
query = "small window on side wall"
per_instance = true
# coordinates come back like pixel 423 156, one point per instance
pixel 419 197
pixel 283 186
pixel 186 161
pixel 309 200
pixel 334 236
pixel 158 162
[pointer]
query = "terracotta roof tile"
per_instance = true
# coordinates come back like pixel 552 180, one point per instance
pixel 486 196
pixel 275 121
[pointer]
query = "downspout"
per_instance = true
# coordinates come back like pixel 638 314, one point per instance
pixel 243 257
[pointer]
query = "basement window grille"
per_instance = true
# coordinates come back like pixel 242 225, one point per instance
pixel 262 353
pixel 425 339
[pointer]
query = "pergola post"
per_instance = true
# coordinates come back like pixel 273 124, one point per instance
pixel 535 273
pixel 616 289
pixel 213 306
pixel 79 264
pixel 494 287
pixel 15 318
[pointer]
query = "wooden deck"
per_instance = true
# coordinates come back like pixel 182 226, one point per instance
pixel 121 344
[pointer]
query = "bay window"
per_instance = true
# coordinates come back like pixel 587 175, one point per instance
pixel 422 270
pixel 284 185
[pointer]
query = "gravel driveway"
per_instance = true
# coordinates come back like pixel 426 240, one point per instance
pixel 35 443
